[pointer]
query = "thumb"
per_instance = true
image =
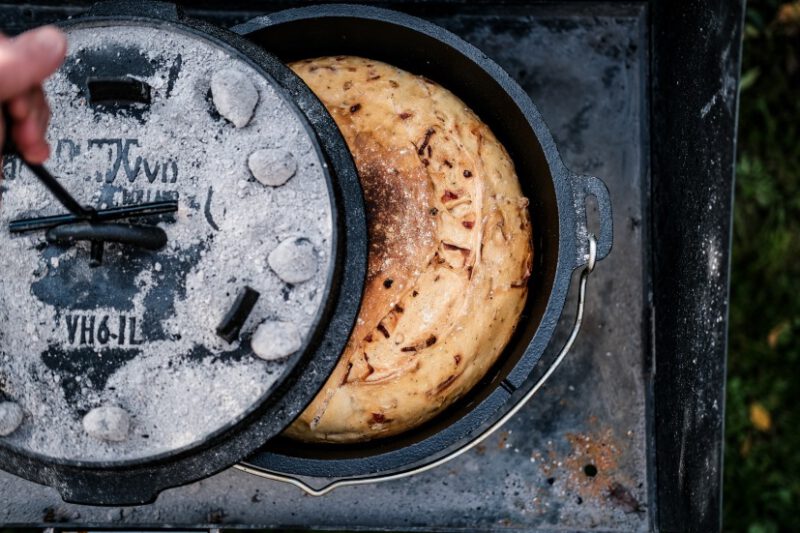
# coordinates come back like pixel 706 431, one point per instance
pixel 27 60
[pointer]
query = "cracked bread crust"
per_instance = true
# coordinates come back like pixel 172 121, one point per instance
pixel 449 255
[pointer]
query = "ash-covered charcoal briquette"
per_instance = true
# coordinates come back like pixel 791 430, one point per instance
pixel 274 340
pixel 294 260
pixel 107 423
pixel 272 167
pixel 10 417
pixel 234 95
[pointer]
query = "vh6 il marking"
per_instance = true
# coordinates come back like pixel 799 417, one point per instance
pixel 93 329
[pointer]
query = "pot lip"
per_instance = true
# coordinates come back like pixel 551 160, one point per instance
pixel 313 363
pixel 422 26
pixel 488 409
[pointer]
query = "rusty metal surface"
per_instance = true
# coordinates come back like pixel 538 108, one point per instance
pixel 576 458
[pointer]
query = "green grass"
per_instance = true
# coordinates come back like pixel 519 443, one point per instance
pixel 762 456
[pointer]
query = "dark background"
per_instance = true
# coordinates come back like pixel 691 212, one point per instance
pixel 762 458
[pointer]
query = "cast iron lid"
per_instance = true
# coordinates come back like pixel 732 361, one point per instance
pixel 151 351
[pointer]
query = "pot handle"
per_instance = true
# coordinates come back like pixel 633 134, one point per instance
pixel 107 489
pixel 349 482
pixel 583 187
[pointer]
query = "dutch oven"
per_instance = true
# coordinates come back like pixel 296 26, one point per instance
pixel 561 242
pixel 557 210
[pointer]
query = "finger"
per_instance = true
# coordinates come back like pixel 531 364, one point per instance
pixel 2 136
pixel 27 60
pixel 19 110
pixel 29 134
pixel 20 107
pixel 31 107
pixel 2 126
pixel 44 121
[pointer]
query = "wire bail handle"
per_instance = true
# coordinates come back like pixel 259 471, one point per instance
pixel 351 482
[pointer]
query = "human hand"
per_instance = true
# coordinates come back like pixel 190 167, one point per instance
pixel 25 62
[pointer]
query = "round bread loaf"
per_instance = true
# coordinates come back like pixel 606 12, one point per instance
pixel 449 255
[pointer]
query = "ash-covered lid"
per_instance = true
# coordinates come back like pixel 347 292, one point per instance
pixel 151 352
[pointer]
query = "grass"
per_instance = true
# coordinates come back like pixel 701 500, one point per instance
pixel 762 457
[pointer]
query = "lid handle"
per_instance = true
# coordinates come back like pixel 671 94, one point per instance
pixel 119 92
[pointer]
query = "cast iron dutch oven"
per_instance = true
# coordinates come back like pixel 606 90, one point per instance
pixel 557 208
pixel 138 481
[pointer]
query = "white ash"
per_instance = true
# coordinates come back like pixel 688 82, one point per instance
pixel 274 340
pixel 109 423
pixel 10 417
pixel 272 167
pixel 173 400
pixel 234 95
pixel 294 260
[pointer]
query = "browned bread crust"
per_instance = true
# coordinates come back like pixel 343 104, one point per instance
pixel 449 258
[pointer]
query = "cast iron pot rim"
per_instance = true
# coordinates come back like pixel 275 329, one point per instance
pixel 570 257
pixel 86 481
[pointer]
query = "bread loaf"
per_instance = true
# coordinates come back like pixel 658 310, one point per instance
pixel 449 255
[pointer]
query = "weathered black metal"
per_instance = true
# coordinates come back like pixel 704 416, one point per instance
pixel 140 481
pixel 558 200
pixel 691 253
